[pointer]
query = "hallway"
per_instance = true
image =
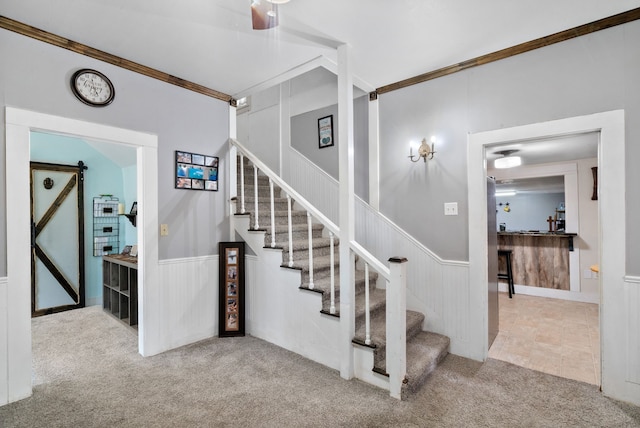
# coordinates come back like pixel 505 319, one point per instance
pixel 559 337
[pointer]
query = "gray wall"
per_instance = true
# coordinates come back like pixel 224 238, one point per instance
pixel 35 76
pixel 590 74
pixel 304 138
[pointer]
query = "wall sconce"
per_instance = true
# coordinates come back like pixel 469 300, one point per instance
pixel 424 151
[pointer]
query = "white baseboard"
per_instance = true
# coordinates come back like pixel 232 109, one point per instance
pixel 552 293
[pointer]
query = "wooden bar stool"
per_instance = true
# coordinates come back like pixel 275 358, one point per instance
pixel 509 274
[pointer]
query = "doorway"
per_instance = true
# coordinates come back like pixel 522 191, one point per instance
pixel 19 125
pixel 611 225
pixel 552 322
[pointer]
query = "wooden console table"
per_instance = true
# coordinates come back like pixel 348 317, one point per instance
pixel 120 287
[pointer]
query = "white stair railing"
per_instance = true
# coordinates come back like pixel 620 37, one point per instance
pixel 395 274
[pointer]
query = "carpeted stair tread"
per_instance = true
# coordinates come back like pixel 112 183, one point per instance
pixel 424 352
pixel 379 328
pixel 282 228
pixel 319 263
pixel 303 244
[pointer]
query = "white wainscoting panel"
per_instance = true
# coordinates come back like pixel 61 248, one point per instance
pixel 632 298
pixel 188 297
pixel 315 185
pixel 279 312
pixel 437 288
pixel 4 338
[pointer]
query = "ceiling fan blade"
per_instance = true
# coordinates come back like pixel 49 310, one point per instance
pixel 264 14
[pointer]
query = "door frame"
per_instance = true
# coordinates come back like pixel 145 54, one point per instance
pixel 19 124
pixel 612 232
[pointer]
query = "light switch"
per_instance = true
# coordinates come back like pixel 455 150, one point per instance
pixel 450 208
pixel 164 230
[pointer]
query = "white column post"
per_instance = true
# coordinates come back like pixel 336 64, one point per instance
pixel 347 201
pixel 374 151
pixel 232 169
pixel 396 325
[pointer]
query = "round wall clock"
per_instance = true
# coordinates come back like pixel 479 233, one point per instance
pixel 92 87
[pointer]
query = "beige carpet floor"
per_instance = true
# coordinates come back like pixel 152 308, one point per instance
pixel 87 373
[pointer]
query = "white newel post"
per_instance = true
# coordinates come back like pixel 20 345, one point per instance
pixel 397 325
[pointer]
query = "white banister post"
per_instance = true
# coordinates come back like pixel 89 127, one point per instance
pixel 332 308
pixel 273 215
pixel 242 207
pixel 397 325
pixel 367 315
pixel 310 227
pixel 255 193
pixel 290 231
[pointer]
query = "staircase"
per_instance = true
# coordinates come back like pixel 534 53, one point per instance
pixel 424 349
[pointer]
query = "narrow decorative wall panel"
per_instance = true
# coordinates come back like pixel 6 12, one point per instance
pixel 189 299
pixel 632 298
pixel 4 325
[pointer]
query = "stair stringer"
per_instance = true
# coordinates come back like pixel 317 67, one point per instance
pixel 279 312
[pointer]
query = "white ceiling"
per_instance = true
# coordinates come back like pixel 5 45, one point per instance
pixel 211 42
pixel 557 149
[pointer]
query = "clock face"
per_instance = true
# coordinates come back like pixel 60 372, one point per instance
pixel 92 88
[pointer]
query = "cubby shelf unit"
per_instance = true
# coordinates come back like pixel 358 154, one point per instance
pixel 120 287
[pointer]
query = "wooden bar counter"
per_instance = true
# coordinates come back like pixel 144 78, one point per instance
pixel 540 259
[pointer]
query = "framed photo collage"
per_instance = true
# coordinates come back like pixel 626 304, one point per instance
pixel 196 172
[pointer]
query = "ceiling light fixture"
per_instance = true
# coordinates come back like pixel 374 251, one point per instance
pixel 507 161
pixel 278 1
pixel 264 14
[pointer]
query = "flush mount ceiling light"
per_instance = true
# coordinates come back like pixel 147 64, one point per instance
pixel 507 161
pixel 278 1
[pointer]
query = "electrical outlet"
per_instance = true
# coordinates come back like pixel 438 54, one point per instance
pixel 450 208
pixel 164 230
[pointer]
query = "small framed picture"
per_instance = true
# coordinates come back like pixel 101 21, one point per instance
pixel 231 299
pixel 325 131
pixel 134 251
